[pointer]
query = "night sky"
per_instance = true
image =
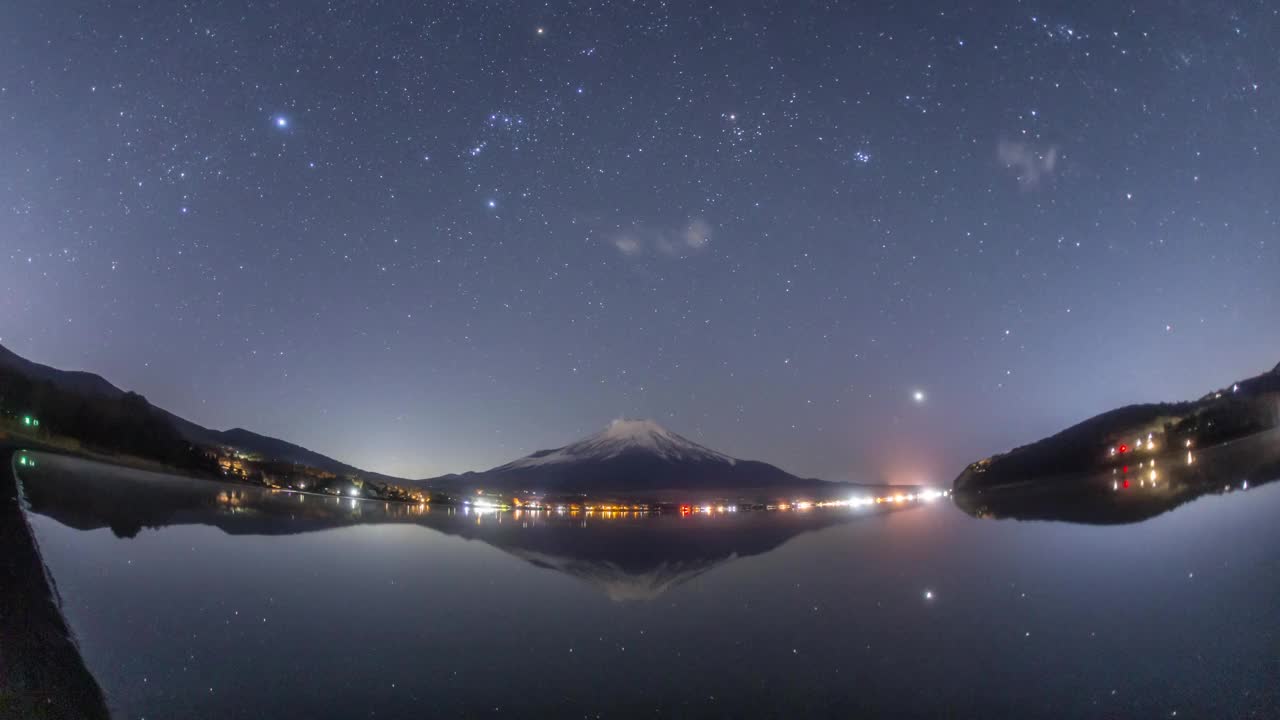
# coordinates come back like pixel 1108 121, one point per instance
pixel 860 241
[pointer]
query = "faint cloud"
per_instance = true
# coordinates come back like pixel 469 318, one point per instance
pixel 697 234
pixel 1029 163
pixel 674 242
pixel 626 244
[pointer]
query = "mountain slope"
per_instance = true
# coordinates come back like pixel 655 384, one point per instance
pixel 629 455
pixel 77 381
pixel 90 385
pixel 1235 411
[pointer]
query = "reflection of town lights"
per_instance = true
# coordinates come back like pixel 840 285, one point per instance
pixel 1244 485
pixel 355 492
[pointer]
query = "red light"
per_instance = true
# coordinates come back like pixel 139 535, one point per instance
pixel 685 510
pixel 1126 483
pixel 1124 449
pixel 1126 471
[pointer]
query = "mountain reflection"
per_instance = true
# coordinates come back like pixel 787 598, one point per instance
pixel 1134 493
pixel 628 556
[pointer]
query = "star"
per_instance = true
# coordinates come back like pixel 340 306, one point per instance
pixel 918 396
pixel 492 204
pixel 281 122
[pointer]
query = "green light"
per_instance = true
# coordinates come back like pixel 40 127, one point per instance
pixel 26 419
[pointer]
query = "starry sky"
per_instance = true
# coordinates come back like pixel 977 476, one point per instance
pixel 864 241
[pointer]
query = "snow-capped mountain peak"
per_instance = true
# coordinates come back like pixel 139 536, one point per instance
pixel 625 436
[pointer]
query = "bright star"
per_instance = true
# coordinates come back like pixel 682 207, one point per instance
pixel 282 122
pixel 918 396
pixel 492 204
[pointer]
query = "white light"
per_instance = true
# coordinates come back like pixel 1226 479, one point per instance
pixel 918 396
pixel 928 594
pixel 282 122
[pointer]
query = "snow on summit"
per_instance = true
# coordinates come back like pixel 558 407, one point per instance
pixel 625 436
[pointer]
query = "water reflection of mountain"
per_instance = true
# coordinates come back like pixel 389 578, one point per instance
pixel 626 556
pixel 631 558
pixel 1137 492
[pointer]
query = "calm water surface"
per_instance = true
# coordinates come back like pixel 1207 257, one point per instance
pixel 212 601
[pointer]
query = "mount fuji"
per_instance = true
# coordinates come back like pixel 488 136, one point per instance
pixel 630 456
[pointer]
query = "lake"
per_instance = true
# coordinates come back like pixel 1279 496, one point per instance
pixel 194 599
